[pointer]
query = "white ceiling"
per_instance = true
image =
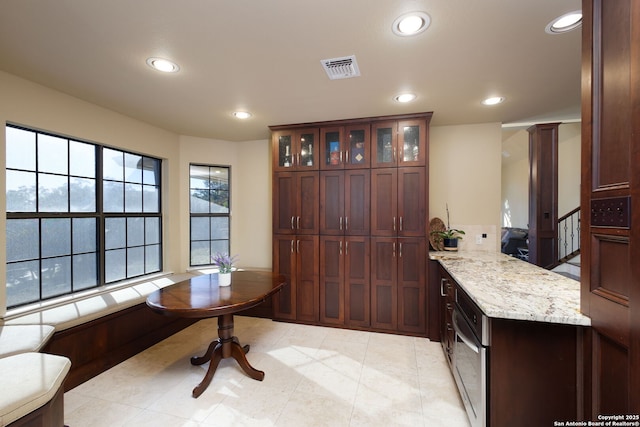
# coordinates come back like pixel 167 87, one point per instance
pixel 264 56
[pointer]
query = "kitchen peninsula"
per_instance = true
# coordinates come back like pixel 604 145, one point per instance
pixel 513 334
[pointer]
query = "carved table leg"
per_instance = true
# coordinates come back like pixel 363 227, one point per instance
pixel 225 346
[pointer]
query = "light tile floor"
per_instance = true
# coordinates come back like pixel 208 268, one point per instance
pixel 314 376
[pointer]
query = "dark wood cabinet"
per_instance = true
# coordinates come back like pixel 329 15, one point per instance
pixel 398 284
pixel 447 301
pixel 295 149
pixel 345 202
pixel 397 208
pixel 344 280
pixel 345 147
pixel 296 203
pixel 399 143
pixel 296 258
pixel 361 282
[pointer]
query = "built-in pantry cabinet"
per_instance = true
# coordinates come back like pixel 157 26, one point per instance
pixel 350 208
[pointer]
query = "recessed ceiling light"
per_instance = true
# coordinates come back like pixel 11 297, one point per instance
pixel 163 65
pixel 564 23
pixel 241 115
pixel 405 97
pixel 411 24
pixel 494 100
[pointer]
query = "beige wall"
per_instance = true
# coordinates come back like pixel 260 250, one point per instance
pixel 464 172
pixel 515 176
pixel 250 195
pixel 515 183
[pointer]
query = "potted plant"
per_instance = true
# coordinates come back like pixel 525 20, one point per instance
pixel 224 262
pixel 449 236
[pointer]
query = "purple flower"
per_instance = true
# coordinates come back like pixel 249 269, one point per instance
pixel 223 261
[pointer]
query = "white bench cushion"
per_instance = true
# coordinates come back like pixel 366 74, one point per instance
pixel 16 339
pixel 29 380
pixel 84 310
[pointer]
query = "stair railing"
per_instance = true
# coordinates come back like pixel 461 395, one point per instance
pixel 569 235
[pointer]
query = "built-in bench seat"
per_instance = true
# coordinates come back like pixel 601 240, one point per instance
pixel 32 392
pixel 16 339
pixel 98 331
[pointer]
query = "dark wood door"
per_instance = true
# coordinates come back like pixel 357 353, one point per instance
pixel 412 285
pixel 332 267
pixel 447 301
pixel 284 203
pixel 412 211
pixel 610 204
pixel 295 203
pixel 356 281
pixel 307 220
pixel 358 146
pixel 284 262
pixel 384 140
pixel 332 148
pixel 411 142
pixel 295 149
pixel 384 283
pixel 357 205
pixel 384 201
pixel 332 191
pixel 307 278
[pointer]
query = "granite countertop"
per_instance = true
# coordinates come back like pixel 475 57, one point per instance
pixel 509 288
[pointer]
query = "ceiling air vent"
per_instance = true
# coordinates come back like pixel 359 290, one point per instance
pixel 341 68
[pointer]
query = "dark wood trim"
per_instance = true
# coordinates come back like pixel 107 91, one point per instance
pixel 343 122
pixel 96 346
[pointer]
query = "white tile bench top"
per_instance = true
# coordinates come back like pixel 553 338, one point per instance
pixel 79 311
pixel 15 339
pixel 29 380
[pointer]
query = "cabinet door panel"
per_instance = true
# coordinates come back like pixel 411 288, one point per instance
pixel 384 283
pixel 385 140
pixel 332 280
pixel 284 302
pixel 307 149
pixel 384 201
pixel 284 203
pixel 332 202
pixel 412 215
pixel 356 277
pixel 357 150
pixel 307 278
pixel 357 202
pixel 307 220
pixel 412 273
pixel 411 143
pixel 332 148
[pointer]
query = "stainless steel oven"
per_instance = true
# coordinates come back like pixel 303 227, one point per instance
pixel 470 352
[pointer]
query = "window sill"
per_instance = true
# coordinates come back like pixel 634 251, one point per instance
pixel 71 310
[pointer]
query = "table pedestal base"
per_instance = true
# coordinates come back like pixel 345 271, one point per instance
pixel 225 346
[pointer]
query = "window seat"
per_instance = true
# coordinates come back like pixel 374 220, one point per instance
pixel 82 310
pixel 97 331
pixel 16 339
pixel 32 384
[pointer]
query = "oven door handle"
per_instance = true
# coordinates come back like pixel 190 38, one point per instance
pixel 468 341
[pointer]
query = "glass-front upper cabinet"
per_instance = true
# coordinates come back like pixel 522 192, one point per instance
pixel 295 149
pixel 345 147
pixel 399 143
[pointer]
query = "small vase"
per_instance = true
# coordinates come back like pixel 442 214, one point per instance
pixel 224 279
